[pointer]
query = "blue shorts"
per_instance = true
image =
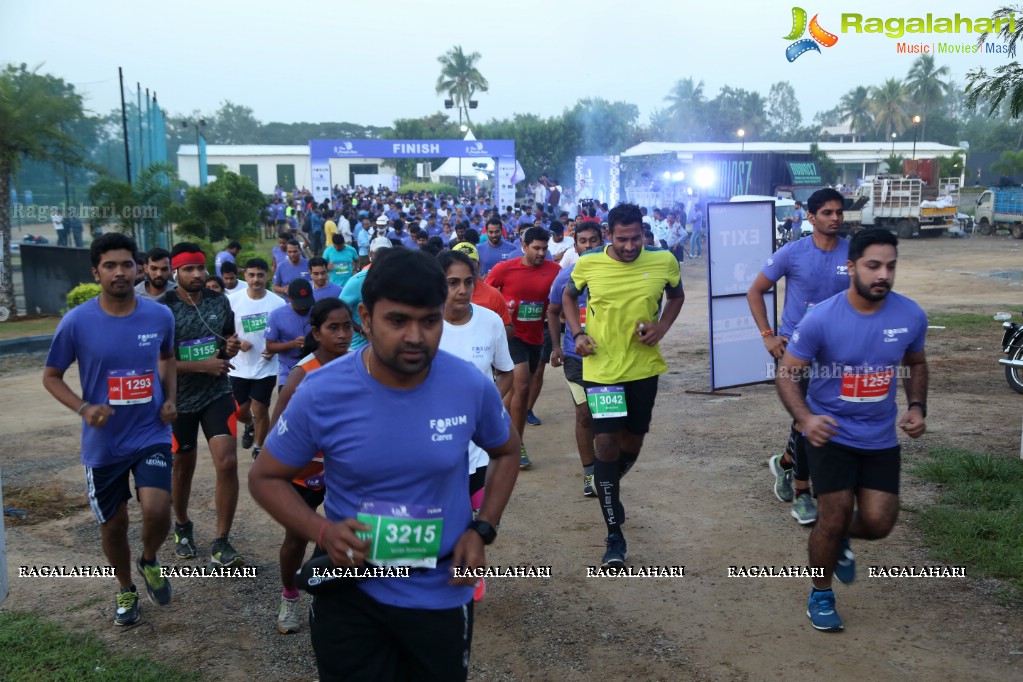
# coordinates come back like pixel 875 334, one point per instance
pixel 108 485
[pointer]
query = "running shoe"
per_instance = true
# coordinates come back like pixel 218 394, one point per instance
pixel 524 462
pixel 256 449
pixel 820 609
pixel 224 555
pixel 588 490
pixel 157 587
pixel 127 607
pixel 532 419
pixel 480 591
pixel 248 437
pixel 289 619
pixel 804 509
pixel 184 543
pixel 617 551
pixel 845 567
pixel 782 479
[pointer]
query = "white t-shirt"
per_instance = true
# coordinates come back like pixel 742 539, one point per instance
pixel 242 285
pixel 250 317
pixel 554 248
pixel 482 341
pixel 570 257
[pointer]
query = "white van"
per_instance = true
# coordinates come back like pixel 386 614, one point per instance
pixel 783 210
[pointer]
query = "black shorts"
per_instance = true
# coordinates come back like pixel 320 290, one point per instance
pixel 524 352
pixel 545 349
pixel 640 396
pixel 218 419
pixel 108 485
pixel 835 467
pixel 313 497
pixel 356 637
pixel 260 390
pixel 574 377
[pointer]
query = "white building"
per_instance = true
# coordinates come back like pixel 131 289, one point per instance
pixel 271 164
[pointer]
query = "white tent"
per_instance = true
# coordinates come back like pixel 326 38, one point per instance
pixel 470 166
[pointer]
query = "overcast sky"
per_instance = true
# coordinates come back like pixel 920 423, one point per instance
pixel 372 62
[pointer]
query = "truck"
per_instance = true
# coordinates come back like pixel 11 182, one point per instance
pixel 1000 208
pixel 904 205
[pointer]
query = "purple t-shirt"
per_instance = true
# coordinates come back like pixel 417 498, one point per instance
pixel 491 255
pixel 855 364
pixel 557 291
pixel 330 291
pixel 811 276
pixel 287 271
pixel 221 258
pixel 118 365
pixel 284 324
pixel 421 464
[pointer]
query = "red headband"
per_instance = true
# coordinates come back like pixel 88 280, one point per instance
pixel 187 258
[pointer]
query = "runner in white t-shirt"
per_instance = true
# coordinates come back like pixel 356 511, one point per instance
pixel 255 373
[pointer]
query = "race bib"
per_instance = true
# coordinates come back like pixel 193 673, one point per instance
pixel 870 386
pixel 343 268
pixel 402 534
pixel 197 349
pixel 129 386
pixel 582 316
pixel 606 402
pixel 254 323
pixel 530 311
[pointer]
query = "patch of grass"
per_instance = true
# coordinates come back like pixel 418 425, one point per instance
pixel 33 649
pixel 977 520
pixel 969 323
pixel 17 327
pixel 42 503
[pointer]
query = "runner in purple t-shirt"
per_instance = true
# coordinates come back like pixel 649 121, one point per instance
pixel 854 347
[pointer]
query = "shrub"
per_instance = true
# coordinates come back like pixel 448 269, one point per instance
pixel 435 187
pixel 82 293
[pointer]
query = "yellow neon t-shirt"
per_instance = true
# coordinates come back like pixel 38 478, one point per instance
pixel 618 296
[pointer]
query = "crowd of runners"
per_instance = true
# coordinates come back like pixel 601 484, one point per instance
pixel 405 339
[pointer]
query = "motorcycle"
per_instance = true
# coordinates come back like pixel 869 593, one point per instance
pixel 1012 346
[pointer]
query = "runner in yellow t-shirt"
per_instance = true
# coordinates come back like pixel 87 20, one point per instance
pixel 624 283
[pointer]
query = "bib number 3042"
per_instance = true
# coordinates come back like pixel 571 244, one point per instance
pixel 606 402
pixel 402 534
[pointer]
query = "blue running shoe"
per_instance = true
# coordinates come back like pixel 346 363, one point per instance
pixel 820 609
pixel 845 567
pixel 532 419
pixel 617 551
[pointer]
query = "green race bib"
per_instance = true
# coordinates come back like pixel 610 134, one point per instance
pixel 254 323
pixel 530 311
pixel 197 349
pixel 606 402
pixel 402 535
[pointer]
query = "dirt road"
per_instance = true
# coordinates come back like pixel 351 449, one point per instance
pixel 700 498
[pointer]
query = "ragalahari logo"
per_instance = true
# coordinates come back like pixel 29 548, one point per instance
pixel 817 35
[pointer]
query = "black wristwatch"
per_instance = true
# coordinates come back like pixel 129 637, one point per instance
pixel 486 531
pixel 922 406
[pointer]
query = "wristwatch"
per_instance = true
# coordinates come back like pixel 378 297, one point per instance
pixel 922 406
pixel 486 531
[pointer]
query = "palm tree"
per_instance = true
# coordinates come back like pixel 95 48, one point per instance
pixel 855 109
pixel 33 108
pixel 685 102
pixel 924 85
pixel 889 105
pixel 459 78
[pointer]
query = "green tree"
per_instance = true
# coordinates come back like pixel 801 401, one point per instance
pixel 855 109
pixel 460 78
pixel 827 165
pixel 732 109
pixel 1005 83
pixel 603 127
pixel 889 105
pixel 1009 163
pixel 140 209
pixel 542 145
pixel 783 114
pixel 925 85
pixel 35 113
pixel 227 208
pixel 232 124
pixel 685 110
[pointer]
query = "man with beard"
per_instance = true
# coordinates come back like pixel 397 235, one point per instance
pixel 624 283
pixel 814 270
pixel 157 275
pixel 855 346
pixel 124 347
pixel 292 268
pixel 205 341
pixel 495 249
pixel 420 626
